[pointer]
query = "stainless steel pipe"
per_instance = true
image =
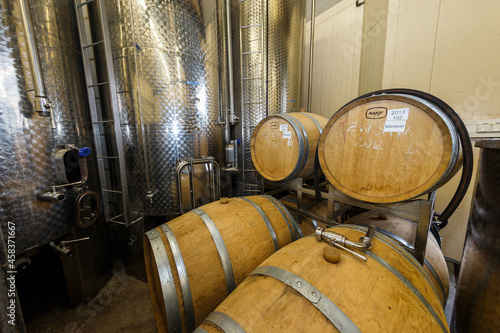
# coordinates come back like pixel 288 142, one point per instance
pixel 232 118
pixel 365 243
pixel 42 105
pixel 311 55
pixel 476 307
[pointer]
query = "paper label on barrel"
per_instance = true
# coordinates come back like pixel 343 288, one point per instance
pixel 398 114
pixel 394 126
pixel 283 127
pixel 287 135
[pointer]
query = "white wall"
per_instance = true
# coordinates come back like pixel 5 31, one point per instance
pixel 336 62
pixel 449 48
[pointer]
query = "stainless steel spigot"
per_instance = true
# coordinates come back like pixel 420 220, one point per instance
pixel 341 242
pixel 52 196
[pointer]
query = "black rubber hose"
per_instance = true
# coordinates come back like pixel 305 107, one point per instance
pixel 316 176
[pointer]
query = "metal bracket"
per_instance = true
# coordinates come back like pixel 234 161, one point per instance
pixel 419 210
pixel 212 178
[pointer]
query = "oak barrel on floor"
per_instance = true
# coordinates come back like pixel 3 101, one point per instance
pixel 283 146
pixel 389 148
pixel 194 261
pixel 403 231
pixel 297 290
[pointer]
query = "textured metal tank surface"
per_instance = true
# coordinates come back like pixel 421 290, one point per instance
pixel 477 307
pixel 165 61
pixel 27 141
pixel 268 69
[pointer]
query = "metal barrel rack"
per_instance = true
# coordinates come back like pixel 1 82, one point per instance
pixel 419 211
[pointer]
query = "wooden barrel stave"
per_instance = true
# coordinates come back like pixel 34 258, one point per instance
pixel 366 160
pixel 367 293
pixel 246 237
pixel 277 158
pixel 403 231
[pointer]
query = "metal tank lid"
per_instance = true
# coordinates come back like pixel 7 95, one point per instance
pixel 488 143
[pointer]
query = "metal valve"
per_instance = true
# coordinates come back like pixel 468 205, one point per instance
pixel 52 196
pixel 341 242
pixel 62 249
pixel 149 196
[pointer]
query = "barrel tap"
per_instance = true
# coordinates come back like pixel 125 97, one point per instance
pixel 340 241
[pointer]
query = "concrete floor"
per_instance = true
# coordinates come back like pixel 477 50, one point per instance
pixel 123 305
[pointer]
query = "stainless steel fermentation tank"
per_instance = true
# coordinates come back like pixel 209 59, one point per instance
pixel 268 60
pixel 165 66
pixel 38 154
pixel 476 307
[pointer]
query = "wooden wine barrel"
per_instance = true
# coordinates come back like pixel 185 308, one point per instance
pixel 297 290
pixel 389 148
pixel 283 146
pixel 309 225
pixel 403 231
pixel 194 261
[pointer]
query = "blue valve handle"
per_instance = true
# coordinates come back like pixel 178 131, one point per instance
pixel 84 151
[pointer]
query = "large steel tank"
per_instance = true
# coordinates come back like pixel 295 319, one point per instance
pixel 165 65
pixel 476 307
pixel 268 61
pixel 29 143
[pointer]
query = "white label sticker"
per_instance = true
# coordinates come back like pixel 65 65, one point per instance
pixel 283 127
pixel 287 135
pixel 398 114
pixel 394 126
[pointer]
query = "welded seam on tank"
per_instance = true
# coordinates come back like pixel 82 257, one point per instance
pixel 290 228
pixel 221 248
pixel 331 311
pixel 436 277
pixel 400 250
pixel 302 145
pixel 224 322
pixel 290 218
pixel 410 286
pixel 266 221
pixel 314 121
pixel 183 277
pixel 166 281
